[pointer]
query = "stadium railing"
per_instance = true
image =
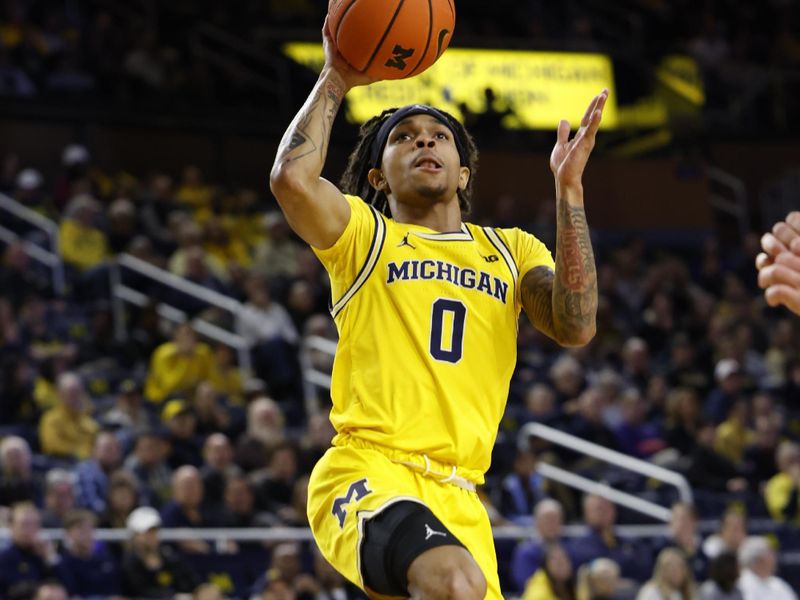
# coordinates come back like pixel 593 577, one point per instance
pixel 50 258
pixel 576 444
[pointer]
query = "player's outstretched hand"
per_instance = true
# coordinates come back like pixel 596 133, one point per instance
pixel 334 61
pixel 779 264
pixel 569 157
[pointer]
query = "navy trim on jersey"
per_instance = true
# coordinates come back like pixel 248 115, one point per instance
pixel 465 235
pixel 497 241
pixel 378 238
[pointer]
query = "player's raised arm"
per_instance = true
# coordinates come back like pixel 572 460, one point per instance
pixel 313 206
pixel 563 304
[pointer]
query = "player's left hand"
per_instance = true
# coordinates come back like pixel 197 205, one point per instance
pixel 569 157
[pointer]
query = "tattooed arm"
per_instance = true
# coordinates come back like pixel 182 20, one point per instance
pixel 313 206
pixel 563 305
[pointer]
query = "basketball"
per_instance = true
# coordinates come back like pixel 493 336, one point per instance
pixel 391 39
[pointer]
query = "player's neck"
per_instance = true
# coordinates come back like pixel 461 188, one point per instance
pixel 442 217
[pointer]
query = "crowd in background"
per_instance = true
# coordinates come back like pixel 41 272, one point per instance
pixel 689 369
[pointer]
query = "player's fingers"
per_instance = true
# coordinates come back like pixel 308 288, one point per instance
pixel 788 260
pixel 793 219
pixel 587 116
pixel 784 232
pixel 778 274
pixel 763 260
pixel 563 131
pixel 795 246
pixel 783 294
pixel 772 245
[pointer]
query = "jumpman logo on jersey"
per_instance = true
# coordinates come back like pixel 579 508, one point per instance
pixel 429 533
pixel 405 242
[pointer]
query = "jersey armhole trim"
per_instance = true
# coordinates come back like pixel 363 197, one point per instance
pixel 378 238
pixel 496 241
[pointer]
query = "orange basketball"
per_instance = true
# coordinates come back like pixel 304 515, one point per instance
pixel 391 39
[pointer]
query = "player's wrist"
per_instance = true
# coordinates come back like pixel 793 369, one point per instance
pixel 335 82
pixel 570 191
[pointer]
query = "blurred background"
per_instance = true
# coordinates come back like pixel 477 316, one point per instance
pixel 165 340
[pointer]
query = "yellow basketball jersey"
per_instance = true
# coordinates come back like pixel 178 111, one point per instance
pixel 427 333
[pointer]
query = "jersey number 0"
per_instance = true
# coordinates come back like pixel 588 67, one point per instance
pixel 456 312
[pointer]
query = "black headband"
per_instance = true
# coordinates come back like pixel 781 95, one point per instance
pixel 379 143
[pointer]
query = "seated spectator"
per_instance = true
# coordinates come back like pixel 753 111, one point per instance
pixel 554 580
pixel 82 243
pixel 284 566
pixel 217 467
pixel 26 558
pixel 67 430
pixel 521 489
pixel 331 584
pixel 92 475
pixel 707 469
pixel 685 371
pixel 186 509
pixel 759 456
pixel 600 517
pixel 315 441
pixel 123 497
pixel 193 190
pixel 296 513
pixel 733 434
pixel 50 590
pixel 149 568
pixel 278 255
pixel 178 366
pixel 147 463
pixel 782 492
pixel 275 483
pixel 539 405
pixel 683 535
pixel 86 568
pixel 211 414
pixel 634 435
pixel 723 575
pixel 758 581
pixel 528 557
pixel 671 579
pixel 732 532
pixel 227 376
pixel 598 580
pixel 265 430
pixel 180 423
pixel 568 378
pixel 17 481
pixel 239 506
pixel 730 383
pixel 128 412
pixel 59 497
pixel 588 423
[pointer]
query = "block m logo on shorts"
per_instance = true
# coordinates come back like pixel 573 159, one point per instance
pixel 355 492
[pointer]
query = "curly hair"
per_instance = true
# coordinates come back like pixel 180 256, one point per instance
pixel 354 179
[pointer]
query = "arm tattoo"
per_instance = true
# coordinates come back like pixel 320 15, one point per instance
pixel 301 140
pixel 563 305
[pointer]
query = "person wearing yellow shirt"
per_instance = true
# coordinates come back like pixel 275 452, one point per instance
pixel 733 435
pixel 782 492
pixel 224 247
pixel 81 244
pixel 66 429
pixel 177 367
pixel 554 580
pixel 193 190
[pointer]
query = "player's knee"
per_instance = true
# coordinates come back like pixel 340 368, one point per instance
pixel 453 577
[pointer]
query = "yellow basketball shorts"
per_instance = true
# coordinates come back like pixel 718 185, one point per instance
pixel 349 486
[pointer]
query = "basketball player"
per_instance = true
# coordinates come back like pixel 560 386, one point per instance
pixel 427 310
pixel 779 264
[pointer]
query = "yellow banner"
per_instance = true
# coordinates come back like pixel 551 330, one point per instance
pixel 538 88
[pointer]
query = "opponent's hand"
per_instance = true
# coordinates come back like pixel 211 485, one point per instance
pixel 569 157
pixel 779 265
pixel 335 62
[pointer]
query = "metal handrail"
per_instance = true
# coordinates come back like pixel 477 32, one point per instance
pixel 312 377
pixel 613 457
pixel 50 227
pixel 120 293
pixel 737 206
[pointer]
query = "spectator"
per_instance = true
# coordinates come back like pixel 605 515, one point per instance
pixel 600 517
pixel 554 580
pixel 25 560
pixel 17 482
pixel 265 430
pixel 67 430
pixel 92 475
pixel 528 557
pixel 730 383
pixel 186 509
pixel 147 464
pixel 759 457
pixel 296 513
pixel 758 581
pixel 733 435
pixel 521 489
pixel 782 492
pixel 682 419
pixel 598 580
pixel 211 414
pixel 683 535
pixel 149 568
pixel 278 255
pixel 634 435
pixel 284 566
pixel 217 467
pixel 193 191
pixel 86 568
pixel 671 579
pixel 178 366
pixel 180 422
pixel 732 532
pixel 539 405
pixel 128 413
pixel 588 422
pixel 82 243
pixel 239 507
pixel 707 469
pixel 50 590
pixel 331 584
pixel 316 440
pixel 274 485
pixel 723 575
pixel 59 497
pixel 123 497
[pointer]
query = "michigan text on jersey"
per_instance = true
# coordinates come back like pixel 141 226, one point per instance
pixel 413 270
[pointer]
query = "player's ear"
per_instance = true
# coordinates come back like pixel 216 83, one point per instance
pixel 463 178
pixel 378 181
